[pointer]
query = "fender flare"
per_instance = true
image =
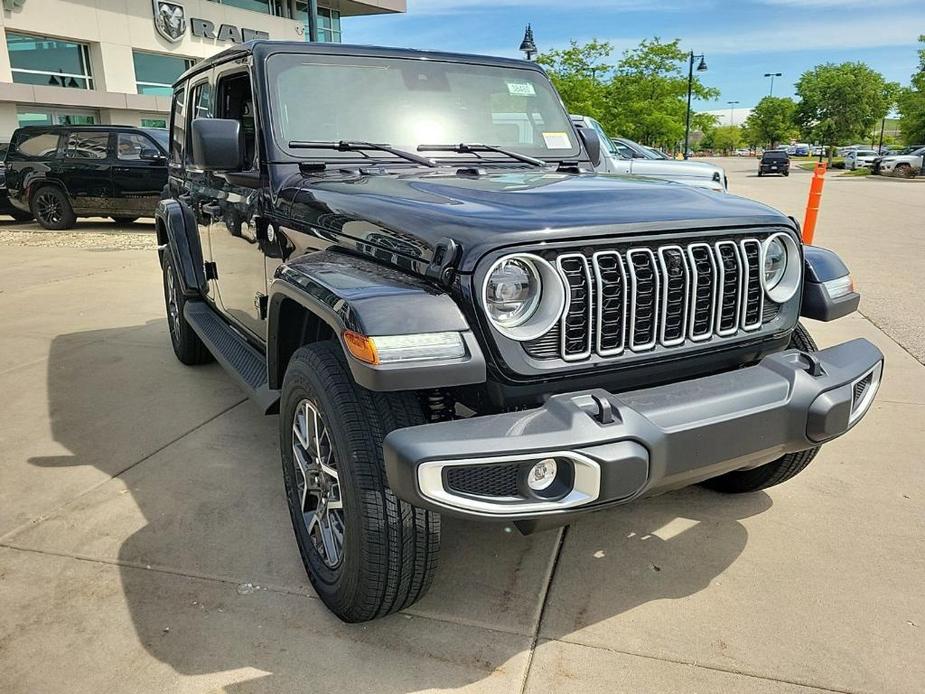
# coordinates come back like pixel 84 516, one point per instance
pixel 351 293
pixel 821 266
pixel 177 230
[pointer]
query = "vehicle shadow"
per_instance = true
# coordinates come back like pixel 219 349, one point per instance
pixel 217 494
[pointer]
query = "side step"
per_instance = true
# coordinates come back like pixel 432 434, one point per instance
pixel 244 364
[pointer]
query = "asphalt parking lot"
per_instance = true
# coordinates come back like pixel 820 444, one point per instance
pixel 145 543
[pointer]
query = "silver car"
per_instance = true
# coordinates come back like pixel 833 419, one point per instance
pixel 622 156
pixel 906 163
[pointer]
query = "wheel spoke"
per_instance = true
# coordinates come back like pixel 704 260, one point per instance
pixel 328 540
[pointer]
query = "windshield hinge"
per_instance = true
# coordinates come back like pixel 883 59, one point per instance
pixel 445 256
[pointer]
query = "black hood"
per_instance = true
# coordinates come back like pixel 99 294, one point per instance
pixel 411 213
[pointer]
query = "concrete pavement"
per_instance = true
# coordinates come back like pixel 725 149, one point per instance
pixel 145 544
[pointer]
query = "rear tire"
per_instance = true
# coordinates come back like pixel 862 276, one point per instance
pixel 123 220
pixel 367 553
pixel 904 171
pixel 186 343
pixel 777 471
pixel 52 209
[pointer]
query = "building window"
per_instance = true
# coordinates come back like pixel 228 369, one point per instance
pixel 155 73
pixel 153 122
pixel 56 116
pixel 274 7
pixel 49 62
pixel 328 22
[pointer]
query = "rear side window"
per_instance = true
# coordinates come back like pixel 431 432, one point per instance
pixel 38 145
pixel 86 145
pixel 177 127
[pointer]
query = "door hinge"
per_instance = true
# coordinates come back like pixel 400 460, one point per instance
pixel 445 254
pixel 260 303
pixel 211 271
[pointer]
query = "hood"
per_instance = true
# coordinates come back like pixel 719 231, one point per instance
pixel 411 213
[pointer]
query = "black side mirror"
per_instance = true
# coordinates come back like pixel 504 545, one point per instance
pixel 592 143
pixel 151 155
pixel 217 144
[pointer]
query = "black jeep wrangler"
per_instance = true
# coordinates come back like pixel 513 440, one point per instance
pixel 407 257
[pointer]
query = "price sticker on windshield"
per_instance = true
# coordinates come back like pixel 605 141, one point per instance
pixel 520 89
pixel 557 141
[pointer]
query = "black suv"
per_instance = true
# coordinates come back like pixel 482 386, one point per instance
pixel 58 173
pixel 406 257
pixel 774 161
pixel 5 206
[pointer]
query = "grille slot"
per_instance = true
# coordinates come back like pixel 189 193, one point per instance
pixel 632 299
pixel 483 480
pixel 577 319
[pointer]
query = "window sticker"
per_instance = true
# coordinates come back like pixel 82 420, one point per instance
pixel 520 89
pixel 557 141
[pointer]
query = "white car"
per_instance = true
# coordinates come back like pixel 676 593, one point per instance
pixel 856 158
pixel 907 163
pixel 628 157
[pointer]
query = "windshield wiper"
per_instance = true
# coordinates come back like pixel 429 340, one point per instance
pixel 350 146
pixel 464 148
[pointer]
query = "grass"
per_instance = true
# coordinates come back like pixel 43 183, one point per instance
pixel 860 171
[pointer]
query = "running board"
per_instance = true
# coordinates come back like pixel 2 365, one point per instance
pixel 243 363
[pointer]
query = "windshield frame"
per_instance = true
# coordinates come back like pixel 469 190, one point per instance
pixel 275 61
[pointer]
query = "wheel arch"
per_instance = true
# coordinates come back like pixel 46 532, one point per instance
pixel 177 233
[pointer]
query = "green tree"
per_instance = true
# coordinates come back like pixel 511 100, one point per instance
pixel 771 121
pixel 911 103
pixel 840 103
pixel 726 138
pixel 581 75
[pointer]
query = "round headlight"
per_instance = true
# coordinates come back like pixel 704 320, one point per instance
pixel 781 266
pixel 512 291
pixel 775 262
pixel 523 296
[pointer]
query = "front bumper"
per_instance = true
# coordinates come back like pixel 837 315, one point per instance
pixel 613 448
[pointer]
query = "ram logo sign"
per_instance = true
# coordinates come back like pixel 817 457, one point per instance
pixel 171 23
pixel 169 20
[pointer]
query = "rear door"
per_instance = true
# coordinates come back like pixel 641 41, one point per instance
pixel 85 169
pixel 137 179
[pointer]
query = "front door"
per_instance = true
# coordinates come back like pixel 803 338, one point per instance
pixel 237 234
pixel 138 175
pixel 86 171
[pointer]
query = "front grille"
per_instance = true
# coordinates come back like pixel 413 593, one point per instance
pixel 483 480
pixel 635 299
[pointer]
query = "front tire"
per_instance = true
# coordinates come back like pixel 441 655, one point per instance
pixel 904 171
pixel 186 343
pixel 777 471
pixel 52 209
pixel 367 553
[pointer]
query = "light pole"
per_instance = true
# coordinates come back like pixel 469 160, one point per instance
pixel 527 46
pixel 772 75
pixel 732 118
pixel 701 67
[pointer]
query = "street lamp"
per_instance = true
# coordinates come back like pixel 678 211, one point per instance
pixel 732 119
pixel 701 67
pixel 527 46
pixel 772 75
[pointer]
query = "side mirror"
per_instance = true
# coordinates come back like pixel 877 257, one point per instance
pixel 592 143
pixel 217 144
pixel 151 155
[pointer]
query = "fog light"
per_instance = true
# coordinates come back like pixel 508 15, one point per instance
pixel 542 475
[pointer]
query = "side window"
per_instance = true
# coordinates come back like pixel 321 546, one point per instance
pixel 177 126
pixel 200 106
pixel 236 102
pixel 129 146
pixel 86 145
pixel 40 145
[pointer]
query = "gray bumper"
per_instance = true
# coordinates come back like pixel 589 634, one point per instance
pixel 612 448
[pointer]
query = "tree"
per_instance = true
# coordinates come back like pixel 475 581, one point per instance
pixel 840 103
pixel 726 138
pixel 643 96
pixel 911 103
pixel 771 121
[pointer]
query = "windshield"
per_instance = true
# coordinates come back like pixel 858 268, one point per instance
pixel 406 103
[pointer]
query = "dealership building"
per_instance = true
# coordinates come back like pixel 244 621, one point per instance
pixel 113 61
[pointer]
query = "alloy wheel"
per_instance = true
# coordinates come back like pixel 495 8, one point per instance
pixel 317 483
pixel 173 305
pixel 49 208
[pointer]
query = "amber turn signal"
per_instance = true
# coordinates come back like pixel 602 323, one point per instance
pixel 361 347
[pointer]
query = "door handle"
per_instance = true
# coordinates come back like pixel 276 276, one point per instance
pixel 212 210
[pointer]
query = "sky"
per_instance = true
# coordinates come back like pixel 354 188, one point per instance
pixel 741 40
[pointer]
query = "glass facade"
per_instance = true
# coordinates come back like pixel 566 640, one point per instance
pixel 328 22
pixel 37 115
pixel 49 62
pixel 155 73
pixel 274 7
pixel 154 122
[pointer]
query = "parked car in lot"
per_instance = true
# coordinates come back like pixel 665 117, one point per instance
pixel 906 163
pixel 818 150
pixel 774 161
pixel 622 156
pixel 743 152
pixel 59 173
pixel 5 206
pixel 801 150
pixel 480 327
pixel 856 158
